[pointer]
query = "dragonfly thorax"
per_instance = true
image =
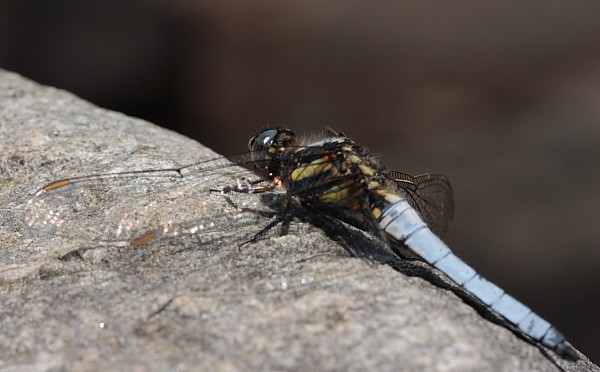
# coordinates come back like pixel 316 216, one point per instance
pixel 333 171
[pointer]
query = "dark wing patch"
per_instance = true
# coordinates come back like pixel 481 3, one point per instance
pixel 430 194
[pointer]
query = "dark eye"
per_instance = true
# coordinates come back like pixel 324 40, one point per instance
pixel 262 140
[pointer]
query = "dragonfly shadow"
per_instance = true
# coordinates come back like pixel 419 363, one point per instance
pixel 418 268
pixel 359 242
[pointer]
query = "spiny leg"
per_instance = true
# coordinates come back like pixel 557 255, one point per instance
pixel 246 186
pixel 252 187
pixel 282 217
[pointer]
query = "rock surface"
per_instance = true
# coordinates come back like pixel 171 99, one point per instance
pixel 78 295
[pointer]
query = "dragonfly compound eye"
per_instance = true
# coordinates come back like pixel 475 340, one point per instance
pixel 266 147
pixel 262 141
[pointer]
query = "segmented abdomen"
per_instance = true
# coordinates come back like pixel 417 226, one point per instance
pixel 403 225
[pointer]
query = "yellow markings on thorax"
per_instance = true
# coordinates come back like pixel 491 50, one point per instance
pixel 346 191
pixel 354 159
pixel 312 169
pixel 366 170
pixel 373 185
pixel 340 192
pixel 56 185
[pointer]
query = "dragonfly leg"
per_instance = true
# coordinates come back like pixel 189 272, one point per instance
pixel 282 218
pixel 249 187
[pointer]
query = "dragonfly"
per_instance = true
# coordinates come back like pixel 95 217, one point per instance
pixel 328 173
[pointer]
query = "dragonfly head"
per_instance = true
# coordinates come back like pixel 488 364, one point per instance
pixel 267 146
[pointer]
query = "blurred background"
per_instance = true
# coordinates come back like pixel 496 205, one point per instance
pixel 502 97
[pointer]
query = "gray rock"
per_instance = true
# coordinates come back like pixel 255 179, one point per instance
pixel 76 294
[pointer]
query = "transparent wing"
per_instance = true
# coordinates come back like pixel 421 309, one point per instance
pixel 141 208
pixel 430 194
pixel 135 205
